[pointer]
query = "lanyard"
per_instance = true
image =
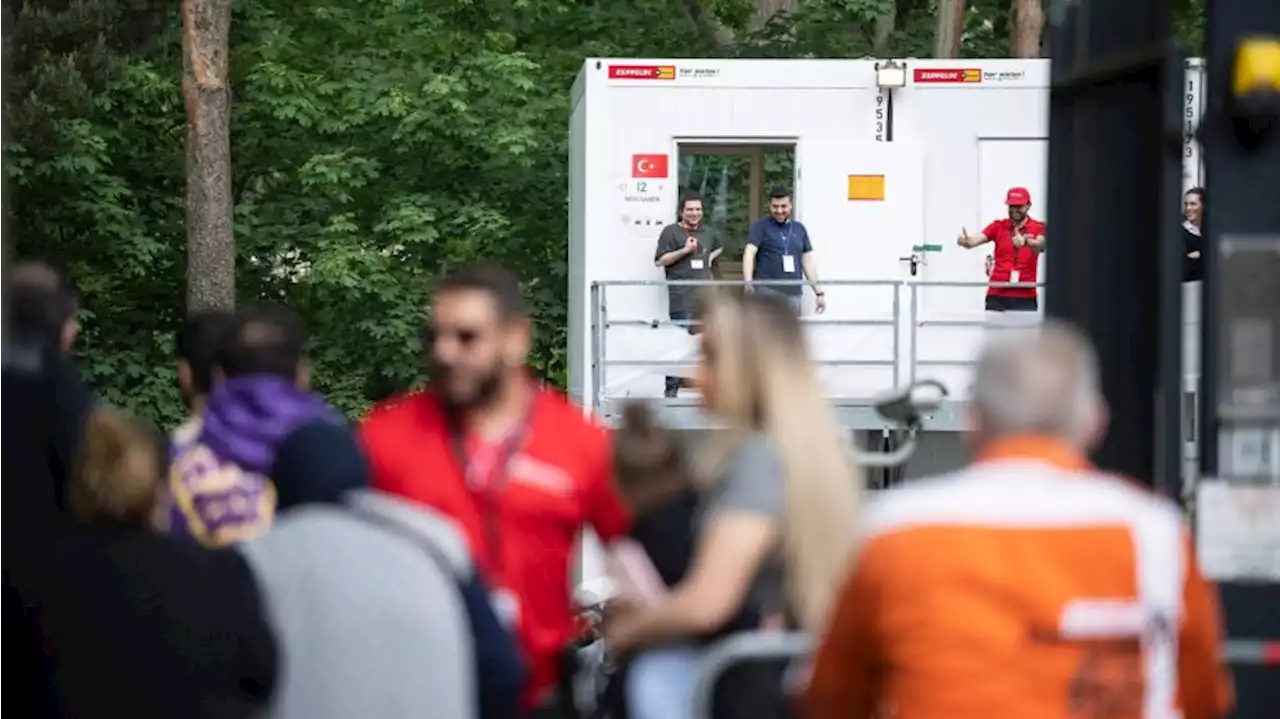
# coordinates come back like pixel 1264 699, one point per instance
pixel 786 239
pixel 688 232
pixel 1017 251
pixel 500 473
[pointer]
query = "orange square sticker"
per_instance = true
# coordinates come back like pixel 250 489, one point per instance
pixel 866 187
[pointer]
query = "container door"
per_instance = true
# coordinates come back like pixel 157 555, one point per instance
pixel 862 203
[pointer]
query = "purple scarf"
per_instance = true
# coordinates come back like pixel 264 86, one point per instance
pixel 247 418
pixel 219 484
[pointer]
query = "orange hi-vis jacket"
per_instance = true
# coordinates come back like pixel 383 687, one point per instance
pixel 1027 586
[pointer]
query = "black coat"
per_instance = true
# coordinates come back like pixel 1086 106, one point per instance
pixel 106 621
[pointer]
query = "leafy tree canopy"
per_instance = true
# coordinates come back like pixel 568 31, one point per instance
pixel 375 142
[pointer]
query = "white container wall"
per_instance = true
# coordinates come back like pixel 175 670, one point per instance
pixel 947 146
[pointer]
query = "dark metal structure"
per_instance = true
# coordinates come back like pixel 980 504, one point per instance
pixel 1112 271
pixel 1114 194
pixel 5 91
pixel 1240 392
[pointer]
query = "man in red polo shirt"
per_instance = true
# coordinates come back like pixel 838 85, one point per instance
pixel 519 467
pixel 1018 240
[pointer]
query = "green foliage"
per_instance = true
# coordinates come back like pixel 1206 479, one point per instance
pixel 846 28
pixel 94 180
pixel 1189 18
pixel 375 143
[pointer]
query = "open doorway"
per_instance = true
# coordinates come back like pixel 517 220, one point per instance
pixel 734 181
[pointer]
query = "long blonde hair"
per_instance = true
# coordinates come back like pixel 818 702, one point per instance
pixel 766 382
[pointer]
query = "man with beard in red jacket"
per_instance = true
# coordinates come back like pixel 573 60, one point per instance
pixel 518 466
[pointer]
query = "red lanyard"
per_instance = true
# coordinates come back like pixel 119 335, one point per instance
pixel 491 488
pixel 689 233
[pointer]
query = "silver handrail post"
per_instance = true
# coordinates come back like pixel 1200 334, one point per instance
pixel 897 334
pixel 741 647
pixel 913 353
pixel 599 329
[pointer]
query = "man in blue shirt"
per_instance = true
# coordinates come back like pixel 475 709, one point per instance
pixel 778 248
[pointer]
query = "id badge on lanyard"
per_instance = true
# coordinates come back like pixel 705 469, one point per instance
pixel 788 259
pixel 489 490
pixel 695 262
pixel 1015 275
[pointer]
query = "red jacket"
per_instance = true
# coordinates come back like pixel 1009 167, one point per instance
pixel 522 527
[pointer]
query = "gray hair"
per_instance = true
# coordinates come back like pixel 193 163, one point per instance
pixel 1043 381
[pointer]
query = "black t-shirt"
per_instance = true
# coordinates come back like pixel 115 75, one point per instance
pixel 1192 267
pixel 694 266
pixel 668 536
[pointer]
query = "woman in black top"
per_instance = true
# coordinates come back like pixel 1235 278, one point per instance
pixel 1193 212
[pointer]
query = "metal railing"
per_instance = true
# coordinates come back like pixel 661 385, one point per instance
pixel 794 646
pixel 738 649
pixel 602 322
pixel 908 321
pixel 914 361
pixel 905 328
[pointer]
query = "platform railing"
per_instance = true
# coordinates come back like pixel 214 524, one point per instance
pixel 795 647
pixel 909 321
pixel 603 320
pixel 1008 321
pixel 905 321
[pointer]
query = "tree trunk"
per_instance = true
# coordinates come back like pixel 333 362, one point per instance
pixel 1025 28
pixel 950 28
pixel 885 25
pixel 211 249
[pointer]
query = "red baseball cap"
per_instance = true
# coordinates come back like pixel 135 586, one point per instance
pixel 1018 196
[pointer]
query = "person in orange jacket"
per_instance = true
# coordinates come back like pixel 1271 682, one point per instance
pixel 1030 584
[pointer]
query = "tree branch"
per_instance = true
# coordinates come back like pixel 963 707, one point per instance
pixel 704 23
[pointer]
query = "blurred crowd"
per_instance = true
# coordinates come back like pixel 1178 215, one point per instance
pixel 269 558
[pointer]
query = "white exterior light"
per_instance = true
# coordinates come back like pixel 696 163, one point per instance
pixel 891 74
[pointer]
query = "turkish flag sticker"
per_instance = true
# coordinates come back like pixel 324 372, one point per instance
pixel 649 166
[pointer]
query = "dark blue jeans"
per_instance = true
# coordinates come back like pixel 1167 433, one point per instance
pixel 673 383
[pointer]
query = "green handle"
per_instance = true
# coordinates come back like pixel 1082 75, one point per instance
pixel 926 248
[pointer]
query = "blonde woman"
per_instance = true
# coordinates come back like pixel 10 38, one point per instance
pixel 780 496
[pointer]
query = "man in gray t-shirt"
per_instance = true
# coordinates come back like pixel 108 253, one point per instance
pixel 686 251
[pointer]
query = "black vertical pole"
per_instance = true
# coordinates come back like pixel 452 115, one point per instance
pixel 1242 186
pixel 5 96
pixel 1169 261
pixel 1106 152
